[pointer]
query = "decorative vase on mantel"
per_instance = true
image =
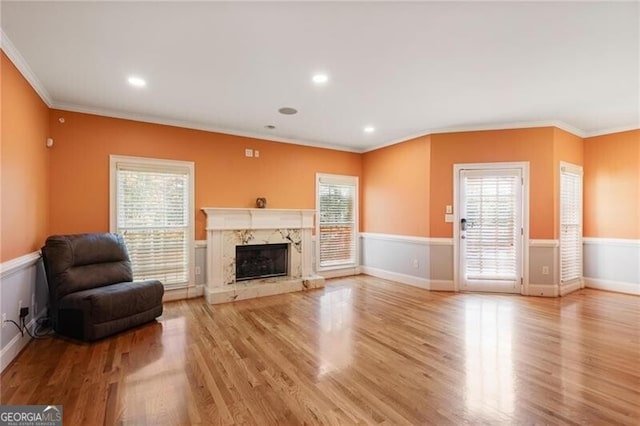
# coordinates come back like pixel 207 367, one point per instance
pixel 261 202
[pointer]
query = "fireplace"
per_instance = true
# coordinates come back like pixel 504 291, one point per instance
pixel 232 231
pixel 261 261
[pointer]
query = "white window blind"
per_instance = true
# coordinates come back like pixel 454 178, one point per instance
pixel 337 220
pixel 570 222
pixel 153 214
pixel 492 227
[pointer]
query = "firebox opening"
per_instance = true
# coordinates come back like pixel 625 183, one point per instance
pixel 261 261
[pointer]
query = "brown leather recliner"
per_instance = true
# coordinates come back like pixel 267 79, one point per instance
pixel 91 293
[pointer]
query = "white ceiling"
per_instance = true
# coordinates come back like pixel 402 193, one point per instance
pixel 406 68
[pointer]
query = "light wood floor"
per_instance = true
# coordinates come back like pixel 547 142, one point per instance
pixel 363 350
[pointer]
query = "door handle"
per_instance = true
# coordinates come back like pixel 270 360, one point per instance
pixel 463 224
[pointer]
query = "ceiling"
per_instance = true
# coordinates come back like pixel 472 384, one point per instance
pixel 407 69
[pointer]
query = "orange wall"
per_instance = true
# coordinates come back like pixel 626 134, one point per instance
pixel 612 185
pixel 395 189
pixel 24 165
pixel 224 177
pixel 533 145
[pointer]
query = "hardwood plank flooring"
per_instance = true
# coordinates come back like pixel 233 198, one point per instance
pixel 360 351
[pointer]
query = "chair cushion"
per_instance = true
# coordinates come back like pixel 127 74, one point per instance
pixel 115 301
pixel 84 261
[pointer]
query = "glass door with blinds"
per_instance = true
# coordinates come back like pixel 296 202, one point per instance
pixel 570 223
pixel 490 229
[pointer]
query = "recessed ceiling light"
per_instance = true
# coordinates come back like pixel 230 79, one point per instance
pixel 270 126
pixel 136 81
pixel 369 129
pixel 320 78
pixel 288 111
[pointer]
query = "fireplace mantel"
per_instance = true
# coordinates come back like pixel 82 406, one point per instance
pixel 238 218
pixel 230 227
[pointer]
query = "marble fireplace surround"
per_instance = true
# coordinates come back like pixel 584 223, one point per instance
pixel 229 227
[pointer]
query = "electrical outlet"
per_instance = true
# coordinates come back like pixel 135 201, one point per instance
pixel 416 263
pixel 197 270
pixel 4 320
pixel 545 270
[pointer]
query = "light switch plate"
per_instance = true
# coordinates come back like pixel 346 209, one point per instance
pixel 248 152
pixel 449 209
pixel 448 218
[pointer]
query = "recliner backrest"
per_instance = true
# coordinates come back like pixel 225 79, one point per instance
pixel 83 261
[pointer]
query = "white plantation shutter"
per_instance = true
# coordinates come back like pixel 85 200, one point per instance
pixel 153 214
pixel 570 222
pixel 337 224
pixel 492 227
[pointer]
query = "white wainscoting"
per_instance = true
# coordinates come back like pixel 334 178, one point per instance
pixel 543 254
pixel 418 261
pixel 21 279
pixel 428 262
pixel 612 264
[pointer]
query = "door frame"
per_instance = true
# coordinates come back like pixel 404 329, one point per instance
pixel 524 167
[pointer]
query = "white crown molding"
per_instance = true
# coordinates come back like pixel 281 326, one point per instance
pixel 255 135
pixel 192 125
pixel 21 64
pixel 483 127
pixel 611 131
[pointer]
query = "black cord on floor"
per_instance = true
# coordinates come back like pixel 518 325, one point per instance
pixel 36 335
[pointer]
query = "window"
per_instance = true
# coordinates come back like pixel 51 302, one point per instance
pixel 337 222
pixel 152 208
pixel 570 222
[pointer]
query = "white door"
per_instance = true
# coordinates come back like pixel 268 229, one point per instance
pixel 490 229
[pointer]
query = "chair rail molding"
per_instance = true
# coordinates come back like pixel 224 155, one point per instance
pixel 14 265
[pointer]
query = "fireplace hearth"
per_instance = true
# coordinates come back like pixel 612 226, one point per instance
pixel 261 261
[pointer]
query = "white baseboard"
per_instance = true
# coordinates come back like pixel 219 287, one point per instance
pixel 616 286
pixel 543 290
pixel 15 345
pixel 338 273
pixel 395 276
pixel 436 285
pixel 442 285
pixel 570 287
pixel 183 293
